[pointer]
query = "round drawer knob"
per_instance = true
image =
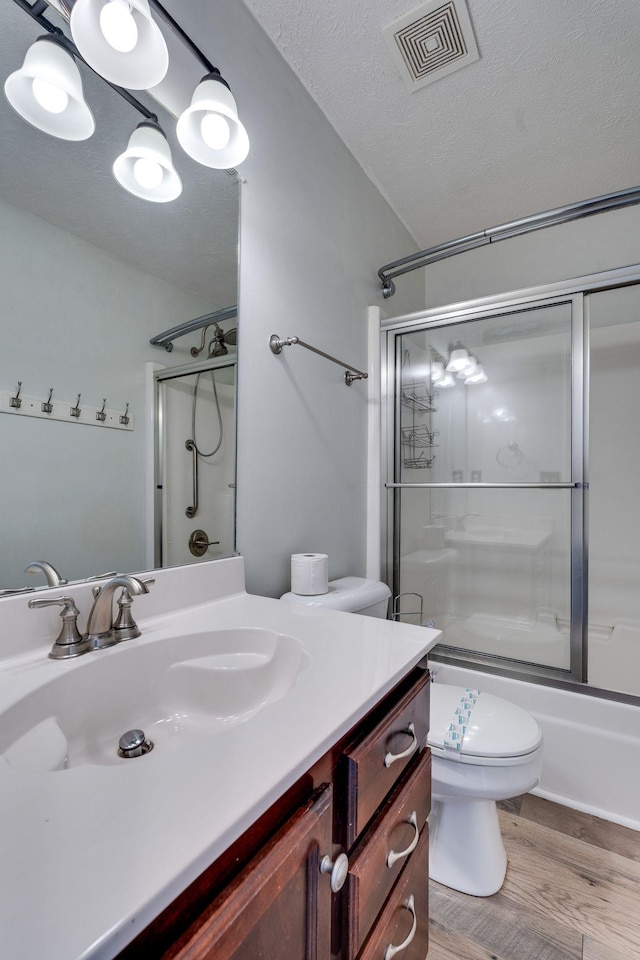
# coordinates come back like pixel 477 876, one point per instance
pixel 338 868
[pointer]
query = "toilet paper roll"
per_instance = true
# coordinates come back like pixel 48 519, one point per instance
pixel 309 574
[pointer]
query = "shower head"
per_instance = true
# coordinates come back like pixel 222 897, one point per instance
pixel 217 346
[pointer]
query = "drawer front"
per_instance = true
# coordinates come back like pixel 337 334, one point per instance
pixel 374 764
pixel 384 850
pixel 404 923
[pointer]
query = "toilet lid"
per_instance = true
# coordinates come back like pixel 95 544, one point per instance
pixel 491 727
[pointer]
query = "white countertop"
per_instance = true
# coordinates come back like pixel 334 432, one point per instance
pixel 92 854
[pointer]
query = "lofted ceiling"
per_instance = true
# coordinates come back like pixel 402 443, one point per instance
pixel 549 114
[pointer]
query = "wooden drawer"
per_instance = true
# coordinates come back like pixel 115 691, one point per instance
pixel 369 768
pixel 397 920
pixel 371 877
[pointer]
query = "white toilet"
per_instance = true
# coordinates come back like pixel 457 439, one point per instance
pixel 483 749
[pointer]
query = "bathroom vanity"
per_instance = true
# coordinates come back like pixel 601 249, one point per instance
pixel 225 840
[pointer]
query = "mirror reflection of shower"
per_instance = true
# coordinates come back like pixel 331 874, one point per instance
pixel 195 485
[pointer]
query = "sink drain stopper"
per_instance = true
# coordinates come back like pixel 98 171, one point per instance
pixel 133 743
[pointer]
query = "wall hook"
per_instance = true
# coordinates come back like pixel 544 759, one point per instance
pixel 46 406
pixel 124 418
pixel 100 414
pixel 16 401
pixel 75 411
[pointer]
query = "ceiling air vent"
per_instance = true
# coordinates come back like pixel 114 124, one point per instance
pixel 431 42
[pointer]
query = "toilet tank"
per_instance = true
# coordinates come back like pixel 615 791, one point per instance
pixel 369 598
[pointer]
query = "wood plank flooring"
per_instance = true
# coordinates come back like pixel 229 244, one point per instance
pixel 572 892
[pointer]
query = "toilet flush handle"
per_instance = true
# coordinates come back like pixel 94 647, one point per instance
pixel 390 758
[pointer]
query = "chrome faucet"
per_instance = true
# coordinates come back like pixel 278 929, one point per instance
pixel 100 625
pixel 52 576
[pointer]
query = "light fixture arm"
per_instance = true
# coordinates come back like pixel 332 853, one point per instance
pixel 35 11
pixel 186 39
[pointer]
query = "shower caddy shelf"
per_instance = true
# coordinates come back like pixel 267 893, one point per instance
pixel 416 396
pixel 416 439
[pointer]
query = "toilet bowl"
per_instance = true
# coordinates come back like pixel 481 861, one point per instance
pixel 483 749
pixel 493 752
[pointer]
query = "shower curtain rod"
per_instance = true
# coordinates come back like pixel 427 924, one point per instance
pixel 166 339
pixel 515 228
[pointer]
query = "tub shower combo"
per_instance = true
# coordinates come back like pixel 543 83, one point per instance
pixel 511 475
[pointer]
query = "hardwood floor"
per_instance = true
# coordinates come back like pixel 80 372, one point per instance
pixel 572 892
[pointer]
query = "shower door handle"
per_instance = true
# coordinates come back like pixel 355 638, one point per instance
pixel 191 511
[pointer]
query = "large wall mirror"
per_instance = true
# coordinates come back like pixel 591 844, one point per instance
pixel 89 274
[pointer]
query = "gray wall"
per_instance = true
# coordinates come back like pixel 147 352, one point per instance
pixel 314 231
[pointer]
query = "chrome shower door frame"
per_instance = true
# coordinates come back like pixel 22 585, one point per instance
pixel 450 316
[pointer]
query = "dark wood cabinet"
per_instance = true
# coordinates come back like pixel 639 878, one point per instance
pixel 267 898
pixel 279 906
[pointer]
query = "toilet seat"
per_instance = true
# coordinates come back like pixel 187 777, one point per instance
pixel 498 733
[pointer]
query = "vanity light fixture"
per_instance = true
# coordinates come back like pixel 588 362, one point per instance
pixel 448 380
pixel 47 91
pixel 209 129
pixel 469 369
pixel 120 40
pixel 437 371
pixel 458 358
pixel 145 168
pixel 479 376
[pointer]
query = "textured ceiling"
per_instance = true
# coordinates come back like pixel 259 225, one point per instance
pixel 71 184
pixel 549 115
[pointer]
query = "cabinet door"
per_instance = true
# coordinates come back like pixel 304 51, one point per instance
pixel 279 907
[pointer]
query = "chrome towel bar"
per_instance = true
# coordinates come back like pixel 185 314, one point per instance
pixel 276 345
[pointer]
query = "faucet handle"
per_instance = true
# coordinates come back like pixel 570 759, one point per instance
pixel 125 627
pixel 69 642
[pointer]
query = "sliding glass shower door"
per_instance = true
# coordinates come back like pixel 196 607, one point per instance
pixel 485 480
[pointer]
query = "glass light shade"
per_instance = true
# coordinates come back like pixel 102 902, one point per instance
pixel 437 370
pixel 469 369
pixel 118 26
pixel 448 380
pixel 479 376
pixel 145 65
pixel 148 143
pixel 213 98
pixel 48 66
pixel 458 359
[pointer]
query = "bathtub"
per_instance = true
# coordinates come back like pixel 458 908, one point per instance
pixel 614 657
pixel 591 745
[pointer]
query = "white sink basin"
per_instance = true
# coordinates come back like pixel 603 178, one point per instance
pixel 175 689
